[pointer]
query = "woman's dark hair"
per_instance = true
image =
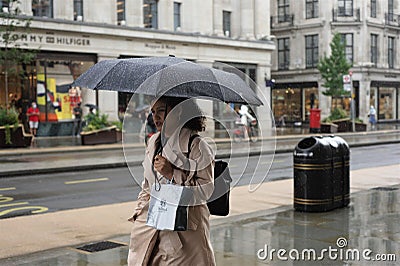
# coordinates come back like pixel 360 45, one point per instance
pixel 197 122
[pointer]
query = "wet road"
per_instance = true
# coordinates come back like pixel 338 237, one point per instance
pixel 53 192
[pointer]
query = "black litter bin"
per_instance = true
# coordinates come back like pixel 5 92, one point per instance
pixel 321 174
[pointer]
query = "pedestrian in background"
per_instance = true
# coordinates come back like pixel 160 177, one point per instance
pixel 165 165
pixel 77 111
pixel 33 118
pixel 372 117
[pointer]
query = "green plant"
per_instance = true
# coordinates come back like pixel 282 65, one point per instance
pixel 336 114
pixel 96 122
pixel 118 124
pixel 359 120
pixel 333 68
pixel 8 118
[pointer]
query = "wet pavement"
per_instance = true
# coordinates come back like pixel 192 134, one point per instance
pixel 360 234
pixel 371 222
pixel 260 221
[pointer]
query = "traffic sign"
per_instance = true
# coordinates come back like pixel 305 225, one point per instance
pixel 347 87
pixel 346 79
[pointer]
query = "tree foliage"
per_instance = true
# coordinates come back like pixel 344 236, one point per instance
pixel 13 27
pixel 333 68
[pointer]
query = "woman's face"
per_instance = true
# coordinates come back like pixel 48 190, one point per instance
pixel 159 113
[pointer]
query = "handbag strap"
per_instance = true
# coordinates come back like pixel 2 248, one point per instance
pixel 192 137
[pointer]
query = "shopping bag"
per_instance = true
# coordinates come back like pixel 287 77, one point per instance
pixel 168 207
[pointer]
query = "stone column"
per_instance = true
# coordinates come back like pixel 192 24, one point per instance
pixel 261 18
pixel 264 112
pixel 365 94
pixel 247 19
pixel 107 100
pixel 217 17
pixel 207 106
pixel 134 13
pixel 165 15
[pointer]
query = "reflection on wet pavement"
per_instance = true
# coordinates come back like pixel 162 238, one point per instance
pixel 370 222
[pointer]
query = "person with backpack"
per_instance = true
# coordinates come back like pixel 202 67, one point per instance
pixel 169 160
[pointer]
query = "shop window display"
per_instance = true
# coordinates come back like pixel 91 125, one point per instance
pixel 386 102
pixel 287 106
pixel 55 97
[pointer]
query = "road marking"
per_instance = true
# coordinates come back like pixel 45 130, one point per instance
pixel 86 181
pixel 7 188
pixel 13 204
pixel 39 209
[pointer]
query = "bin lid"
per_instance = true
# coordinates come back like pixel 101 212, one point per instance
pixel 315 147
pixel 339 146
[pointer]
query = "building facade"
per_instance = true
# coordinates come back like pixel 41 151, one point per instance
pixel 73 35
pixel 303 31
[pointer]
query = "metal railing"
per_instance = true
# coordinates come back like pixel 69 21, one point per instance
pixel 392 19
pixel 282 20
pixel 346 15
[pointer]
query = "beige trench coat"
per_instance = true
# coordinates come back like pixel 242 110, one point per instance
pixel 149 246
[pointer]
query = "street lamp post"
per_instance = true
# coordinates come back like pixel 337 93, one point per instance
pixel 352 106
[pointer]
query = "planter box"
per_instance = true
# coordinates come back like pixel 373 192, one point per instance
pixel 346 125
pixel 103 136
pixel 19 139
pixel 329 128
pixel 360 127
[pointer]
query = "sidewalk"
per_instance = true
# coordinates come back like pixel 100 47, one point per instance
pixel 52 238
pixel 262 217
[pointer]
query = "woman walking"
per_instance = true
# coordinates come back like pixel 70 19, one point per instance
pixel 166 162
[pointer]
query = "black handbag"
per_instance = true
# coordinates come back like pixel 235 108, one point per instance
pixel 218 203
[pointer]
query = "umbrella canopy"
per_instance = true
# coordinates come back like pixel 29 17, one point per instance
pixel 167 76
pixel 91 105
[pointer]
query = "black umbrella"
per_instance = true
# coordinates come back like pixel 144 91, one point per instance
pixel 91 106
pixel 167 76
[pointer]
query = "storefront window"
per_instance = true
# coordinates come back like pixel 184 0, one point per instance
pixel 53 77
pixel 286 105
pixel 386 103
pixel 293 105
pixel 18 84
pixel 341 102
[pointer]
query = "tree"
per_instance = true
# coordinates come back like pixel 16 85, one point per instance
pixel 13 26
pixel 333 68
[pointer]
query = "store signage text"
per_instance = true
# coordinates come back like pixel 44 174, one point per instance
pixel 53 39
pixel 159 46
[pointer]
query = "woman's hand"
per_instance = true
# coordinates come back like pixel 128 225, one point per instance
pixel 163 166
